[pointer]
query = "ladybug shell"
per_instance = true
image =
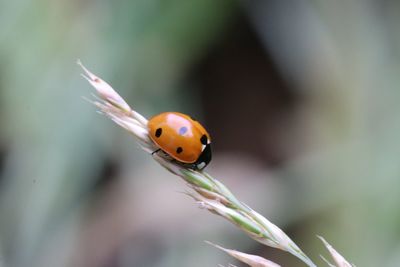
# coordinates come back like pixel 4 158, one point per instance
pixel 181 137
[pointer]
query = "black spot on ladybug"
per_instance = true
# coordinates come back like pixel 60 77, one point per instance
pixel 204 139
pixel 179 150
pixel 183 130
pixel 158 132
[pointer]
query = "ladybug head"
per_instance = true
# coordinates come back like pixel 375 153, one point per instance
pixel 204 158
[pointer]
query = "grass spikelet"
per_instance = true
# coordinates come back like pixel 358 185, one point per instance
pixel 205 189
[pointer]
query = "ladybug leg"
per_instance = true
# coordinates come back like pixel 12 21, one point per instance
pixel 191 166
pixel 194 167
pixel 155 151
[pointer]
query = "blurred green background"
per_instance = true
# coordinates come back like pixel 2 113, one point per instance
pixel 301 99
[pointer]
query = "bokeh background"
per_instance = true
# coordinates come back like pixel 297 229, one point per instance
pixel 301 98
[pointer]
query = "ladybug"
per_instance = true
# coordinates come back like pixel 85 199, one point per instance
pixel 182 138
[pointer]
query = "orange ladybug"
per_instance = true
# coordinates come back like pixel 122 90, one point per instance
pixel 182 138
